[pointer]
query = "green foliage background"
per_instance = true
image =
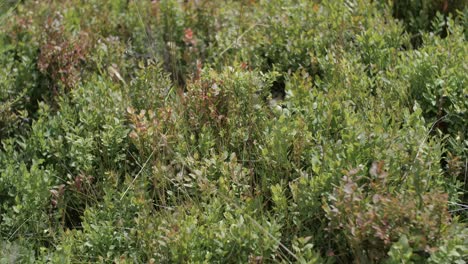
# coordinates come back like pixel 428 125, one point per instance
pixel 248 131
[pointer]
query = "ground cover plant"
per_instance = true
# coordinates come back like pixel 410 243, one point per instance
pixel 250 131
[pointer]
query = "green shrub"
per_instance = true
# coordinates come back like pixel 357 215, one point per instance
pixel 419 15
pixel 220 131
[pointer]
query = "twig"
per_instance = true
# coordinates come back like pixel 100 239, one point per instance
pixel 239 38
pixel 138 174
pixel 422 143
pixel 19 227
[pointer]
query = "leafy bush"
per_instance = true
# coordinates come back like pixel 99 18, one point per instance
pixel 371 222
pixel 419 15
pixel 239 131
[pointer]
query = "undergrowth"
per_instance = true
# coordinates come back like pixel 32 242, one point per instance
pixel 233 131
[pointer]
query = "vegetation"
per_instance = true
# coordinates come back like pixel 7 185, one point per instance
pixel 248 131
